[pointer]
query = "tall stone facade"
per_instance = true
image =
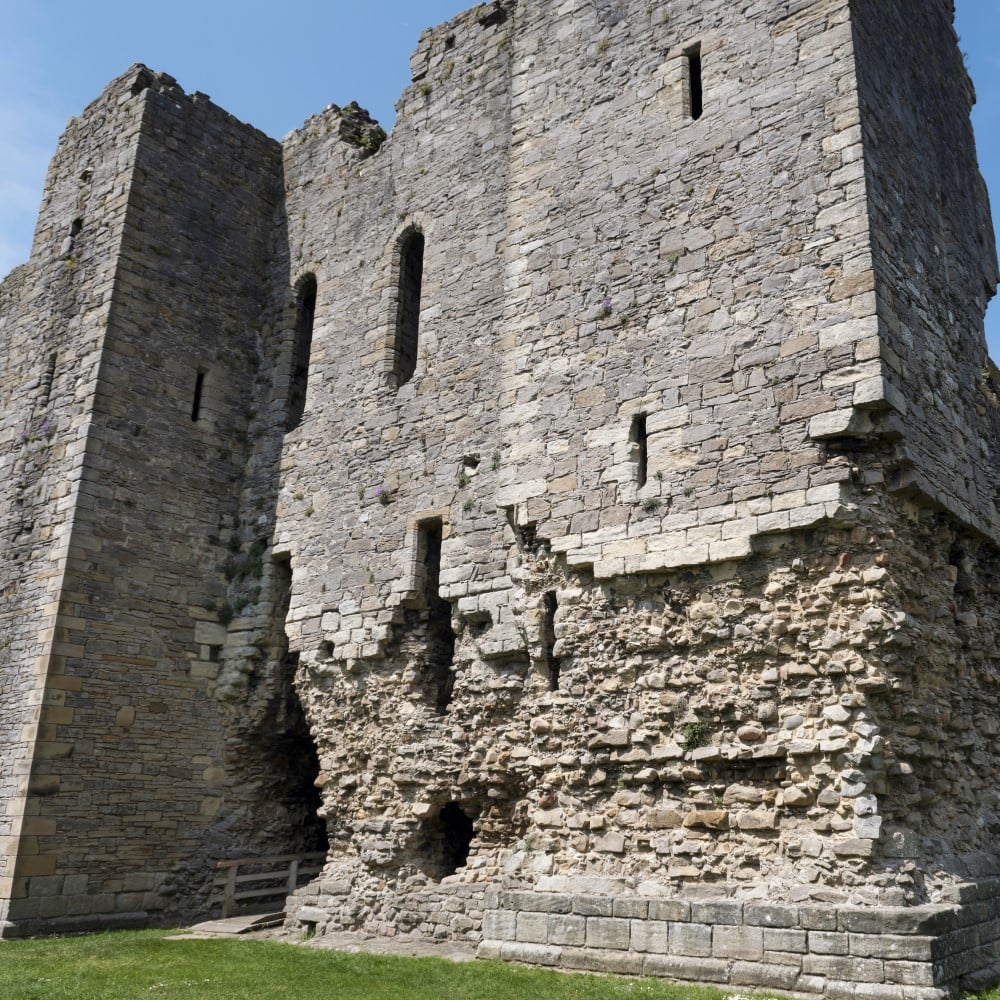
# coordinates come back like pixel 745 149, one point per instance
pixel 590 490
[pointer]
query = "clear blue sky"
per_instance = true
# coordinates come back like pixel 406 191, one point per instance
pixel 273 65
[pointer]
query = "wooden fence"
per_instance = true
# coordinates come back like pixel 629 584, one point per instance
pixel 248 882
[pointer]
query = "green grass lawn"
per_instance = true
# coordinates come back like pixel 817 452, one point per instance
pixel 134 965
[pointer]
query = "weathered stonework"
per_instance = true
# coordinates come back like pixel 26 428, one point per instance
pixel 610 454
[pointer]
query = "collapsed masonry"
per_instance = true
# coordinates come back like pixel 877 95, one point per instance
pixel 590 490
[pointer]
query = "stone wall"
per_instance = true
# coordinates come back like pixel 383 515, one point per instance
pixel 917 953
pixel 638 552
pixel 53 311
pixel 137 752
pixel 710 656
pixel 934 255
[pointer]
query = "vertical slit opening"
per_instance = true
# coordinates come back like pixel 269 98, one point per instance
pixel 199 386
pixel 411 276
pixel 47 379
pixel 549 638
pixel 305 319
pixel 695 91
pixel 74 229
pixel 440 634
pixel 639 437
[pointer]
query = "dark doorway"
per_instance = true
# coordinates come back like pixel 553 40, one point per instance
pixel 440 634
pixel 447 840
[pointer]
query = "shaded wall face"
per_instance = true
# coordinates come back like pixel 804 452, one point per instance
pixel 935 256
pixel 53 311
pixel 141 792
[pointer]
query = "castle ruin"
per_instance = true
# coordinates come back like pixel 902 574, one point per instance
pixel 575 513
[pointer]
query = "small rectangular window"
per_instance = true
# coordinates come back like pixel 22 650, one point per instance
pixel 695 93
pixel 47 379
pixel 640 440
pixel 199 385
pixel 551 605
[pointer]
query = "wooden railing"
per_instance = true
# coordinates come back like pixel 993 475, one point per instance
pixel 281 876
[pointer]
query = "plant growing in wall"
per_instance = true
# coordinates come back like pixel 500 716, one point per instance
pixel 693 735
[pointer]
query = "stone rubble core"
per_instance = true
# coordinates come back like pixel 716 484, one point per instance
pixel 574 512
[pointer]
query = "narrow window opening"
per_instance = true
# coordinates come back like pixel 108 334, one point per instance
pixel 449 42
pixel 411 272
pixel 440 634
pixel 47 379
pixel 640 441
pixel 695 91
pixel 549 638
pixel 199 386
pixel 74 229
pixel 305 318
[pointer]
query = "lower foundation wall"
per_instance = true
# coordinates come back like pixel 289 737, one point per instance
pixel 917 953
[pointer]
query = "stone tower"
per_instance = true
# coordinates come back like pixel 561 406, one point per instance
pixel 611 456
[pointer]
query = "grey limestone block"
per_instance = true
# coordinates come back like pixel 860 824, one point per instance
pixel 608 932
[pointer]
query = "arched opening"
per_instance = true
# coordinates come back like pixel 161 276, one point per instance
pixel 305 317
pixel 411 276
pixel 447 840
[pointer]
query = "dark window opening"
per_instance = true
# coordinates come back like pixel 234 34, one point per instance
pixel 74 229
pixel 305 318
pixel 640 438
pixel 411 273
pixel 449 42
pixel 440 634
pixel 964 573
pixel 47 379
pixel 549 638
pixel 199 386
pixel 695 92
pixel 281 746
pixel 447 839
